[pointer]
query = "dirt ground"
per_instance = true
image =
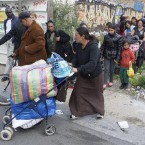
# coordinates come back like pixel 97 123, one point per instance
pixel 122 105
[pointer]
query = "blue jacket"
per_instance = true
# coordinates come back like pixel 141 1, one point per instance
pixel 14 21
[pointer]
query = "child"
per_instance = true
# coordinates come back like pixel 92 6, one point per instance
pixel 127 58
pixel 106 28
pixel 110 49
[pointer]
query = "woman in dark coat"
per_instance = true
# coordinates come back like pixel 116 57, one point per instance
pixel 57 41
pixel 87 96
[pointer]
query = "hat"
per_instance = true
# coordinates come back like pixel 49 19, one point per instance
pixel 8 10
pixel 24 15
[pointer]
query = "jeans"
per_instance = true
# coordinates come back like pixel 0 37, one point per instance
pixel 109 65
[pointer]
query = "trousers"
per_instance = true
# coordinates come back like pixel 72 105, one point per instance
pixel 10 61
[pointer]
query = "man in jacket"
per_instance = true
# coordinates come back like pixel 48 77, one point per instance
pixel 57 41
pixel 17 31
pixel 8 25
pixel 32 47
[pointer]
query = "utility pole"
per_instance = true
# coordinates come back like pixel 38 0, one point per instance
pixel 50 9
pixel 19 6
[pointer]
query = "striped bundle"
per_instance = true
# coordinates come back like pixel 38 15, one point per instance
pixel 30 81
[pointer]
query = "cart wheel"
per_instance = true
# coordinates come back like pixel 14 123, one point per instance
pixel 50 130
pixel 10 129
pixel 8 113
pixel 6 135
pixel 6 119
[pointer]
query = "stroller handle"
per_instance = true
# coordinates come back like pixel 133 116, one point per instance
pixel 71 74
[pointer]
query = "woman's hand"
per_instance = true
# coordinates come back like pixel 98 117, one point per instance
pixel 130 62
pixel 74 70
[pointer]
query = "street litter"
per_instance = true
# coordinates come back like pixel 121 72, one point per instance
pixel 123 125
pixel 59 112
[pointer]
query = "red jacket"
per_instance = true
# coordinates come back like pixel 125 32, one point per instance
pixel 126 56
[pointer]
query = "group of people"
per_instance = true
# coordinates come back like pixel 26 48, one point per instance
pixel 27 41
pixel 116 49
pixel 30 43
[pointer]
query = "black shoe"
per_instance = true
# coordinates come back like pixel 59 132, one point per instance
pixel 122 86
pixel 126 86
pixel 4 79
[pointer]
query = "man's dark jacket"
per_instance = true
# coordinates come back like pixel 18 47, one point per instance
pixel 17 31
pixel 13 22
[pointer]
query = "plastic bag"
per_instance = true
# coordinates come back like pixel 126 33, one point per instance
pixel 24 123
pixel 30 113
pixel 130 71
pixel 60 69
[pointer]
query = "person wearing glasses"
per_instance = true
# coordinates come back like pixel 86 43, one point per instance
pixel 9 23
pixel 32 47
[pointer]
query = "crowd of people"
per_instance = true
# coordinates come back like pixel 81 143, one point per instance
pixel 29 43
pixel 116 49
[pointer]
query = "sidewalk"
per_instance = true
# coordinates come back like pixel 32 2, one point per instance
pixel 119 106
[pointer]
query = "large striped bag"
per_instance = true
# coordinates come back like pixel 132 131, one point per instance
pixel 30 81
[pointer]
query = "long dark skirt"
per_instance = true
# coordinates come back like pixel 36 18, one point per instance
pixel 87 97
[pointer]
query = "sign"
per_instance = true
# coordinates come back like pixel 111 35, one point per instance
pixel 4 4
pixel 2 16
pixel 35 5
pixel 31 5
pixel 42 19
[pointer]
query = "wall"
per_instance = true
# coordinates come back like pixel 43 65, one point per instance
pixel 97 13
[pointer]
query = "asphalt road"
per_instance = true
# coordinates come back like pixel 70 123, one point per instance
pixel 67 133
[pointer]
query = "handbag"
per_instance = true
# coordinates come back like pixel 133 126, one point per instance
pixel 130 71
pixel 60 69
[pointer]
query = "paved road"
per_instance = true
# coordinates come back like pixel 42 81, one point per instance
pixel 67 134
